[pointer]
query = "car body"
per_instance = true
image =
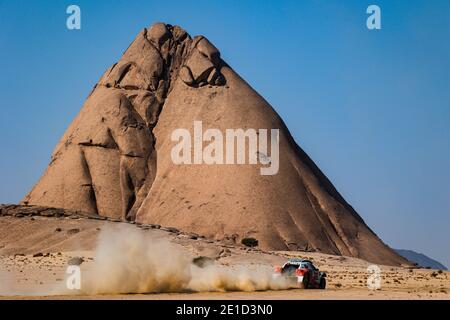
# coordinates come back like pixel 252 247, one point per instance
pixel 303 272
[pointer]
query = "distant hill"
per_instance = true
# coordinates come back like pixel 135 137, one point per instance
pixel 421 259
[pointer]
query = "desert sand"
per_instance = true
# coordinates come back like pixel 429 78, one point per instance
pixel 35 252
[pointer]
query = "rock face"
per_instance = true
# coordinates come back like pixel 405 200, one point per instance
pixel 115 158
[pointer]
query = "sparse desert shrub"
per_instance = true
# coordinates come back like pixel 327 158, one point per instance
pixel 434 274
pixel 202 261
pixel 440 271
pixel 338 285
pixel 75 261
pixel 249 242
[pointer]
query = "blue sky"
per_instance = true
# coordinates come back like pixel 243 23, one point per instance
pixel 372 108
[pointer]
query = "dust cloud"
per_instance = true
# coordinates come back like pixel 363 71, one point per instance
pixel 130 261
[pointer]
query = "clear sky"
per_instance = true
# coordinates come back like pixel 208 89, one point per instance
pixel 371 107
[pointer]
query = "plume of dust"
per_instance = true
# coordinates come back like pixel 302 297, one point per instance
pixel 128 261
pixel 237 278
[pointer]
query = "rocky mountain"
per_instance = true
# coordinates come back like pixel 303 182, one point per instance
pixel 116 158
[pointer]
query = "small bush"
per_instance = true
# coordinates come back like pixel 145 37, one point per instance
pixel 249 242
pixel 202 261
pixel 75 261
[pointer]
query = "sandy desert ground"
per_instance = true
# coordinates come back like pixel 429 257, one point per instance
pixel 35 251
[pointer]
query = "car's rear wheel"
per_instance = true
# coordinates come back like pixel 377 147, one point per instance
pixel 305 282
pixel 323 283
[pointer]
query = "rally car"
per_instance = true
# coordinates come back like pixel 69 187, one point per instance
pixel 303 272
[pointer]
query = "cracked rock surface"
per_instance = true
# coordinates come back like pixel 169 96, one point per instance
pixel 114 160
